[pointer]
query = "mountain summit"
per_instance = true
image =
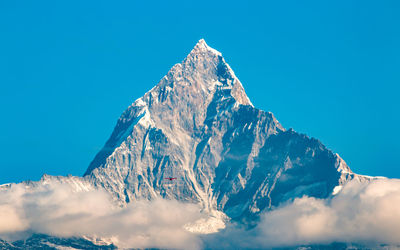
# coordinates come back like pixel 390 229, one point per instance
pixel 198 125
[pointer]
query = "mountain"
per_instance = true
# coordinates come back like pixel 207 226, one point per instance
pixel 198 125
pixel 196 138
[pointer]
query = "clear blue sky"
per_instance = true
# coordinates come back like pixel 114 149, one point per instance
pixel 69 68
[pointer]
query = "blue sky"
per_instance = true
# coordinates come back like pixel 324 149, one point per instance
pixel 69 68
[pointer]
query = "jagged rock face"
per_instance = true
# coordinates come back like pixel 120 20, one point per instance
pixel 199 126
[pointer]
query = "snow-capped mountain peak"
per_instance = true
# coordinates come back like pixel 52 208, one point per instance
pixel 202 47
pixel 198 126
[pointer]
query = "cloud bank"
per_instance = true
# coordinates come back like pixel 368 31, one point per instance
pixel 59 210
pixel 364 213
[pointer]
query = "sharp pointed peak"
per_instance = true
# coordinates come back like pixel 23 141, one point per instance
pixel 207 60
pixel 202 42
pixel 202 46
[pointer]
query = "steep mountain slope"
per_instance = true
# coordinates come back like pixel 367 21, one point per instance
pixel 198 125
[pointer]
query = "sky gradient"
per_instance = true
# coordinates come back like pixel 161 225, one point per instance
pixel 69 69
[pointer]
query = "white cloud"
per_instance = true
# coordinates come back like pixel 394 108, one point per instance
pixel 58 210
pixel 365 213
pixel 362 213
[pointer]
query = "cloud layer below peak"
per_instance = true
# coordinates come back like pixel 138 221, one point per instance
pixel 362 213
pixel 59 210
